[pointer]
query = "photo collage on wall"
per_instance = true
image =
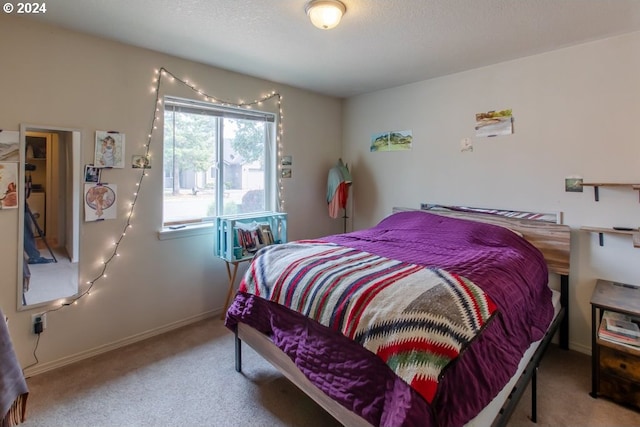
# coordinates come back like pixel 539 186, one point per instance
pixel 99 196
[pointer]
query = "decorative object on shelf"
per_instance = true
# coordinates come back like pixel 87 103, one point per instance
pixel 325 14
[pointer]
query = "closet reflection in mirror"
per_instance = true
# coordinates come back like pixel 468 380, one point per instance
pixel 50 169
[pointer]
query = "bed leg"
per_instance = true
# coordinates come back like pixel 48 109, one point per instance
pixel 534 395
pixel 238 346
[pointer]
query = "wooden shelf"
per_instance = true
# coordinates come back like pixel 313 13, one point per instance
pixel 619 347
pixel 610 184
pixel 603 230
pixel 597 185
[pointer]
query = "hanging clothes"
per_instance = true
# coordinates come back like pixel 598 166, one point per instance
pixel 338 184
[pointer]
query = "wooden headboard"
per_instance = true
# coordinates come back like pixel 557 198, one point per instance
pixel 552 239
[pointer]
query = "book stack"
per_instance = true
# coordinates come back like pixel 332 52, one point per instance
pixel 620 328
pixel 254 236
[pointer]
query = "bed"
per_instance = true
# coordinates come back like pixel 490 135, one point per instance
pixel 428 318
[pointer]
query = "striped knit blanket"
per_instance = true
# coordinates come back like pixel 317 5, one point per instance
pixel 416 319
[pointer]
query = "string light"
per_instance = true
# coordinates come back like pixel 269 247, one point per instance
pixel 161 74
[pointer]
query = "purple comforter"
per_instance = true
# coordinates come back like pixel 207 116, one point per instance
pixel 508 268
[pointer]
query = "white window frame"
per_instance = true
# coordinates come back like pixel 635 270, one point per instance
pixel 205 226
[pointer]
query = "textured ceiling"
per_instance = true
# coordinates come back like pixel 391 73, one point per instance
pixel 379 43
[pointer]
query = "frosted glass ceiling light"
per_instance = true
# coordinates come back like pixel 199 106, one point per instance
pixel 325 14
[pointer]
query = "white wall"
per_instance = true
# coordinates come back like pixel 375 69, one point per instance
pixel 576 113
pixel 55 77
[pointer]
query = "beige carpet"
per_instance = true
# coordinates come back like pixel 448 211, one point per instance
pixel 187 378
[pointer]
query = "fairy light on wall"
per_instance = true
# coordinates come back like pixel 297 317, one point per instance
pixel 161 74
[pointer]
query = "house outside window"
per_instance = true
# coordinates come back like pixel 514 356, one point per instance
pixel 217 161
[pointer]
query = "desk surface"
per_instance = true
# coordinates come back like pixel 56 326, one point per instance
pixel 616 296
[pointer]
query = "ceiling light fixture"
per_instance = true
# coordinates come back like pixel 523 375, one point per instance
pixel 325 14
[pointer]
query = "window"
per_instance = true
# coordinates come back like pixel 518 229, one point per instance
pixel 217 161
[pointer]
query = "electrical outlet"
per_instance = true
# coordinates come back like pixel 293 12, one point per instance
pixel 39 318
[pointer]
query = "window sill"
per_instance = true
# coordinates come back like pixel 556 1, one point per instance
pixel 186 231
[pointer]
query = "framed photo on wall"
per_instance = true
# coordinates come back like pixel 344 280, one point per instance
pixel 109 150
pixel 92 173
pixel 140 161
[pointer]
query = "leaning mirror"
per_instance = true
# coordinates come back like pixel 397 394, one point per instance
pixel 49 215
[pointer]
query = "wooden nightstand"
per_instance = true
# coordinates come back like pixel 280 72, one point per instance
pixel 615 367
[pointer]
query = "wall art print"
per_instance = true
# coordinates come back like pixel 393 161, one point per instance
pixel 8 185
pixel 9 146
pixel 494 123
pixel 109 150
pixel 91 173
pixel 391 141
pixel 573 184
pixel 140 161
pixel 100 201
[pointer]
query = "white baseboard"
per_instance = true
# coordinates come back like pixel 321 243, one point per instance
pixel 580 348
pixel 48 366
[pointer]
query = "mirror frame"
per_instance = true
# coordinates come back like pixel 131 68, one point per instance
pixel 76 191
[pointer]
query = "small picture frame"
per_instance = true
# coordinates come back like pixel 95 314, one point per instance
pixel 139 161
pixel 286 160
pixel 285 173
pixel 573 185
pixel 92 173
